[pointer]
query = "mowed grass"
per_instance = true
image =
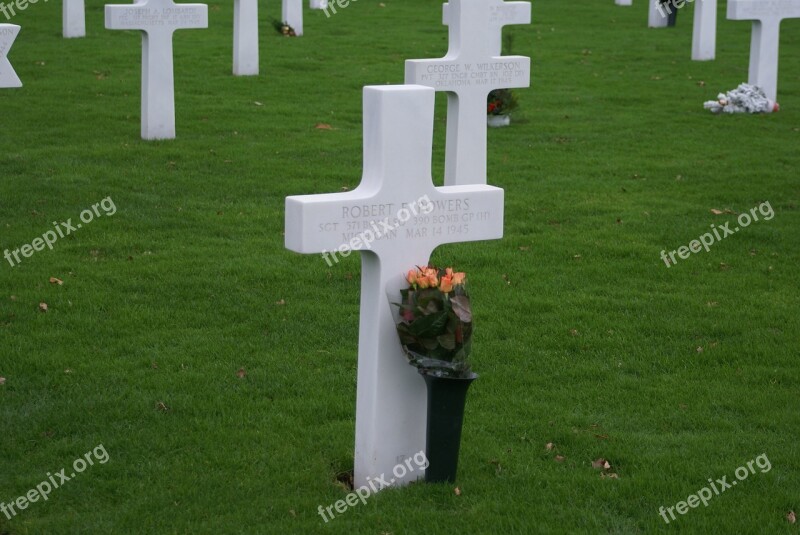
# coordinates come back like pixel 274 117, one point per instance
pixel 584 338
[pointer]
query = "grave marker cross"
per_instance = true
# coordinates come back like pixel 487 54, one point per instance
pixel 469 72
pixel 157 20
pixel 766 16
pixel 396 183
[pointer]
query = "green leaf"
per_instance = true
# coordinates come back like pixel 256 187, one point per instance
pixel 429 326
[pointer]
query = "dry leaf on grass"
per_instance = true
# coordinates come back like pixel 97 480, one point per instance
pixel 54 280
pixel 42 307
pixel 601 463
pixel 280 303
pixel 323 126
pixel 457 491
pixel 716 212
pixel 241 374
pixel 2 381
pixel 559 458
pixel 160 406
pixel 549 446
pixel 791 517
pixel 610 475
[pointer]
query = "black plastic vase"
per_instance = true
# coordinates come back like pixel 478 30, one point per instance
pixel 446 399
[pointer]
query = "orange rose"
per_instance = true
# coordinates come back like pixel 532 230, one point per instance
pixel 433 280
pixel 446 285
pixel 411 277
pixel 423 282
pixel 458 278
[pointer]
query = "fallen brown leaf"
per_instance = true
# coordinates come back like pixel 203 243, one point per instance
pixel 457 491
pixel 791 517
pixel 54 280
pixel 160 406
pixel 601 463
pixel 549 446
pixel 2 381
pixel 573 332
pixel 716 212
pixel 323 126
pixel 280 303
pixel 559 458
pixel 42 307
pixel 241 374
pixel 13 297
pixel 601 437
pixel 610 475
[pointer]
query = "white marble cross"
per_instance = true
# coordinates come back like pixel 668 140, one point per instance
pixel 471 69
pixel 8 78
pixel 704 30
pixel 501 14
pixel 292 14
pixel 317 4
pixel 624 2
pixel 245 37
pixel 157 20
pixel 766 16
pixel 73 18
pixel 396 217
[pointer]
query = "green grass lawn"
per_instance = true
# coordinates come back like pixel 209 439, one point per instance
pixel 584 338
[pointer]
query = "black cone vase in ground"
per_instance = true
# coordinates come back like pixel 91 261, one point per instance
pixel 446 399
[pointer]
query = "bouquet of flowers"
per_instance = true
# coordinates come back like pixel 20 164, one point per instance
pixel 501 102
pixel 435 325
